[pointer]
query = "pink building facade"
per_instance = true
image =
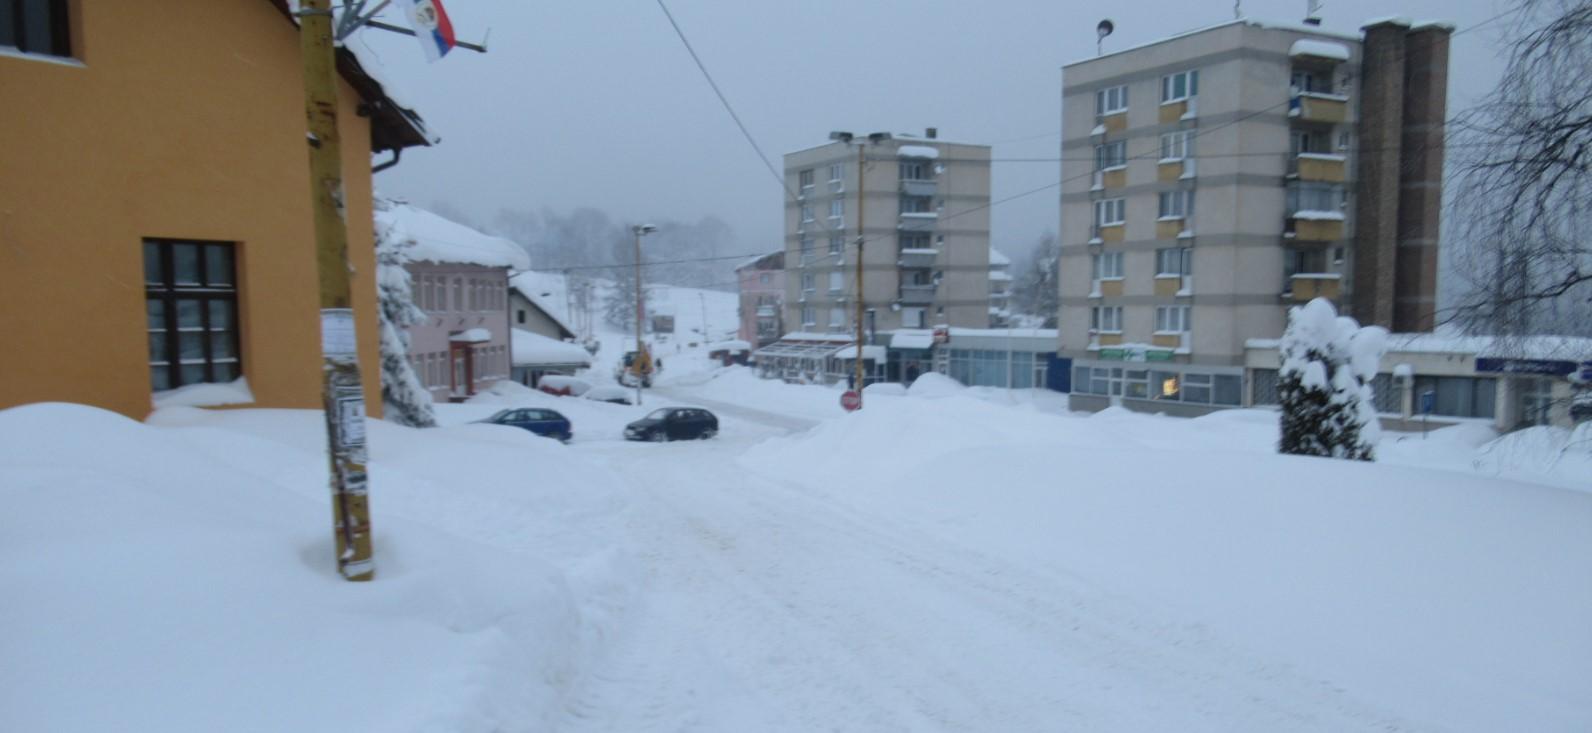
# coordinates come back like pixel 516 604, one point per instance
pixel 762 288
pixel 463 345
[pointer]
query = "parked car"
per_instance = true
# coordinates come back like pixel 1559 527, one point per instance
pixel 562 386
pixel 546 423
pixel 674 423
pixel 610 393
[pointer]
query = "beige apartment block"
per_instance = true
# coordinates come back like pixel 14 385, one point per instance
pixel 924 206
pixel 1213 179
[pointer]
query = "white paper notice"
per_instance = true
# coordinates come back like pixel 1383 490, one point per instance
pixel 337 332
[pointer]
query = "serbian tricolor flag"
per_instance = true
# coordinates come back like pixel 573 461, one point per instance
pixel 431 25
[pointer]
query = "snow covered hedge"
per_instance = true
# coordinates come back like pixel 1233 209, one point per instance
pixel 1328 363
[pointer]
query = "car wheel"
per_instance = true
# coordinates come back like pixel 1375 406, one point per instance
pixel 658 436
pixel 709 434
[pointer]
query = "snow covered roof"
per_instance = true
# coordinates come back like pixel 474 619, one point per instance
pixel 1000 275
pixel 1319 49
pixel 765 261
pixel 917 151
pixel 1296 27
pixel 543 290
pixel 912 339
pixel 733 345
pixel 441 240
pixel 996 258
pixel 876 353
pixel 534 349
pixel 1318 215
pixel 472 336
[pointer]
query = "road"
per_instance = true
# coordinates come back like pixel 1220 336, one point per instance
pixel 768 608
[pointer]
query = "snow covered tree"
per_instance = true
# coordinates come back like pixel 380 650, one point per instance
pixel 1036 293
pixel 406 400
pixel 1328 364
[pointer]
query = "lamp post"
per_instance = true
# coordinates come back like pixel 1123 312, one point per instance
pixel 639 230
pixel 873 139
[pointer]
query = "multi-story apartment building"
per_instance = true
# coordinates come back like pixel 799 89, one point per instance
pixel 1215 178
pixel 1000 289
pixel 762 289
pixel 924 209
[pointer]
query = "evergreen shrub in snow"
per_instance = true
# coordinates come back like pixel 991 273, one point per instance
pixel 407 401
pixel 1328 363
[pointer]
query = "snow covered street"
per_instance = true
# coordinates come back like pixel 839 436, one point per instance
pixel 946 559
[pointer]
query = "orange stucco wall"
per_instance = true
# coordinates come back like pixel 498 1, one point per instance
pixel 184 120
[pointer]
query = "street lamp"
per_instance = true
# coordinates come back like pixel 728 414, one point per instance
pixel 847 139
pixel 639 230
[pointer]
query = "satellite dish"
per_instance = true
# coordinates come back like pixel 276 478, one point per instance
pixel 1101 31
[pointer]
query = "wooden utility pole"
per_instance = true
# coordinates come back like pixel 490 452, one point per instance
pixel 341 391
pixel 862 205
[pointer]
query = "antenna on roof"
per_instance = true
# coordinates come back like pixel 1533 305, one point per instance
pixel 1312 12
pixel 1238 9
pixel 1101 31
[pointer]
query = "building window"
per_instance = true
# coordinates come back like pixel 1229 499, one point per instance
pixel 191 304
pixel 808 282
pixel 1111 101
pixel 1310 196
pixel 763 278
pixel 837 209
pixel 805 180
pixel 1172 319
pixel 837 318
pixel 1111 155
pixel 915 240
pixel 1174 261
pixel 837 281
pixel 1105 319
pixel 807 214
pixel 837 243
pixel 1177 145
pixel 806 244
pixel 1310 81
pixel 916 204
pixel 912 317
pixel 1180 86
pixel 36 26
pixel 915 170
pixel 1304 261
pixel 1176 204
pixel 1468 396
pixel 519 315
pixel 836 180
pixel 1106 266
pixel 1110 212
pixel 809 316
pixel 1305 141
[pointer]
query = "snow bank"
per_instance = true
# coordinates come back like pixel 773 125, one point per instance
pixel 935 384
pixel 193 588
pixel 1319 49
pixel 442 240
pixel 1453 600
pixel 918 151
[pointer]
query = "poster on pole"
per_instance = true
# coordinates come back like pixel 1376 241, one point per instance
pixel 430 23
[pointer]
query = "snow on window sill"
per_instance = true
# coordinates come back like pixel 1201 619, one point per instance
pixel 1096 240
pixel 1168 275
pixel 1168 161
pixel 12 52
pixel 1186 234
pixel 205 394
pixel 1111 168
pixel 1177 217
pixel 1174 101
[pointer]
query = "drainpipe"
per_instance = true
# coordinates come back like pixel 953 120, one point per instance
pixel 396 154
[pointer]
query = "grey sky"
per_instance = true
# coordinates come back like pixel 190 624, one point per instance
pixel 598 104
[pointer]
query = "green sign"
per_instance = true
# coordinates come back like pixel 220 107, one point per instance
pixel 1111 354
pixel 1158 355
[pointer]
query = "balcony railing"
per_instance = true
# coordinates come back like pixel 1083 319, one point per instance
pixel 913 187
pixel 1319 107
pixel 1317 167
pixel 917 294
pixel 1304 286
pixel 917 258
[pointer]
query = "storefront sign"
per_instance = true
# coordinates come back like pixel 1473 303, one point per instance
pixel 1545 367
pixel 1111 354
pixel 1158 355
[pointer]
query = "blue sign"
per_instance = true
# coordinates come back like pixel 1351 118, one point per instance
pixel 1428 402
pixel 1545 367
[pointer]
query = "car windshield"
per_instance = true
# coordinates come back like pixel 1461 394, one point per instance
pixel 501 416
pixel 660 414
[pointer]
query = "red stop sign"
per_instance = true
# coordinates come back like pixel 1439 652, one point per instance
pixel 851 400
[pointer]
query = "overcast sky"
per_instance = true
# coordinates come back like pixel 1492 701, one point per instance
pixel 597 103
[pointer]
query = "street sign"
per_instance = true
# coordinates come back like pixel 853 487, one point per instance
pixel 1428 402
pixel 851 400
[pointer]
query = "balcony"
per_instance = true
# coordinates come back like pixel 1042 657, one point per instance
pixel 1177 341
pixel 1171 286
pixel 766 311
pixel 1306 286
pixel 919 188
pixel 1319 107
pixel 1314 226
pixel 1181 109
pixel 1105 233
pixel 918 221
pixel 917 258
pixel 1106 287
pixel 1322 167
pixel 917 294
pixel 837 186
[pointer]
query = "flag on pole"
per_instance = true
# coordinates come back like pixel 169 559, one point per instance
pixel 431 25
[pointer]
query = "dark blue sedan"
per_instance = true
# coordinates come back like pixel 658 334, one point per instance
pixel 546 423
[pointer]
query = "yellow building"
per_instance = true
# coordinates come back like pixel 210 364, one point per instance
pixel 155 223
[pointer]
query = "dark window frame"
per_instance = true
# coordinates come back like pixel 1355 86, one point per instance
pixel 16 14
pixel 168 292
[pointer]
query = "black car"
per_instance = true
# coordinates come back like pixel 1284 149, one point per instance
pixel 546 423
pixel 674 423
